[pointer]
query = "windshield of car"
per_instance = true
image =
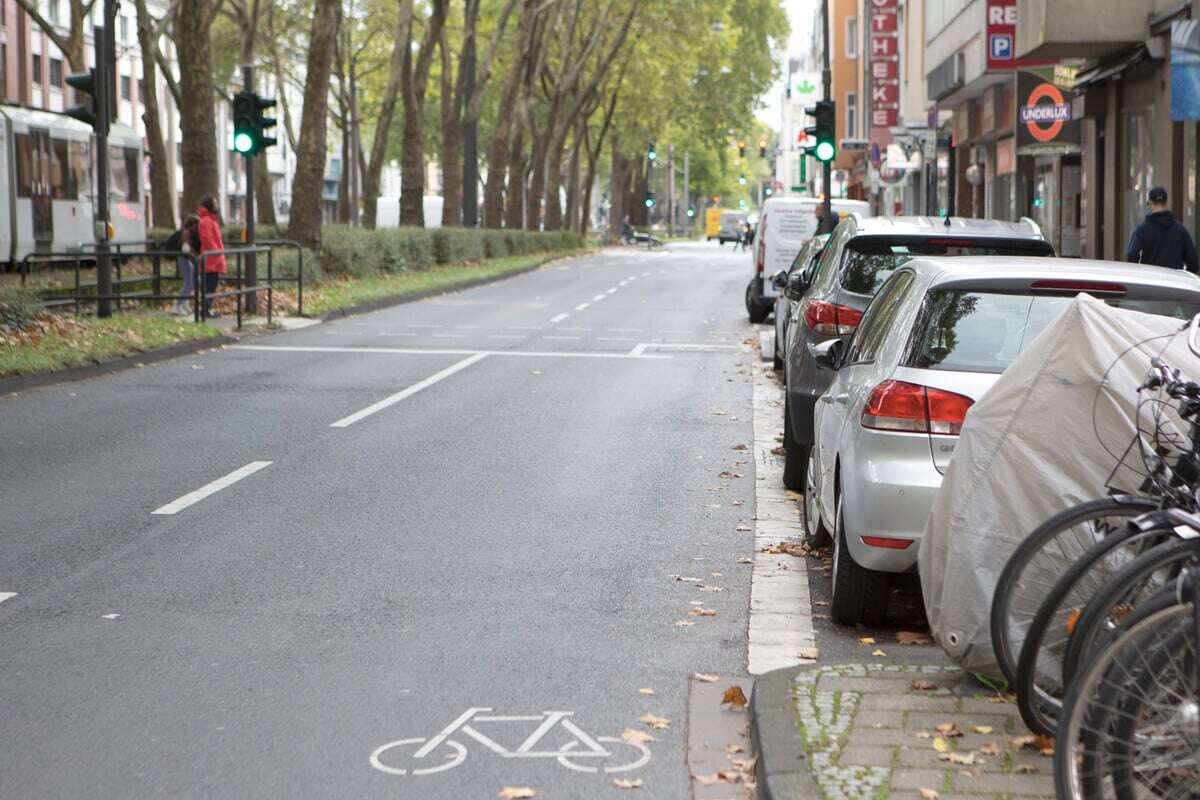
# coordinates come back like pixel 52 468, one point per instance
pixel 868 261
pixel 966 331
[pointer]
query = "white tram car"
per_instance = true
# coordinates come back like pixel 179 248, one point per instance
pixel 47 172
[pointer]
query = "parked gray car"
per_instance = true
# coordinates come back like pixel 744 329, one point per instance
pixel 932 343
pixel 790 283
pixel 860 256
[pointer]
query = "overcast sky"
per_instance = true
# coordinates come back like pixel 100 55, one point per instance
pixel 802 14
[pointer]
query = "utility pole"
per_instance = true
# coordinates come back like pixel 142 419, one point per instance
pixel 105 59
pixel 827 83
pixel 687 200
pixel 248 162
pixel 470 176
pixel 670 190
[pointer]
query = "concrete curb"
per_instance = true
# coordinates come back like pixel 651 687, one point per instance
pixel 782 770
pixel 399 300
pixel 20 383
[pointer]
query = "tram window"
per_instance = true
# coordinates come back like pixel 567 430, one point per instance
pixel 62 175
pixel 80 156
pixel 24 146
pixel 123 163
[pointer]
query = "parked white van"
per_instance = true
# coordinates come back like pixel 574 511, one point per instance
pixel 786 224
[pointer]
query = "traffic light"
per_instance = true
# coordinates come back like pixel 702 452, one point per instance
pixel 651 153
pixel 262 123
pixel 249 124
pixel 742 180
pixel 768 191
pixel 762 148
pixel 741 149
pixel 822 131
pixel 649 200
pixel 691 212
pixel 87 83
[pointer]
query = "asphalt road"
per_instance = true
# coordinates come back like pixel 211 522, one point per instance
pixel 479 501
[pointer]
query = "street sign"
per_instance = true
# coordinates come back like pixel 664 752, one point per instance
pixel 854 144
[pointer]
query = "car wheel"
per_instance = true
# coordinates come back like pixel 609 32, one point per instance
pixel 757 312
pixel 815 534
pixel 777 362
pixel 795 456
pixel 859 594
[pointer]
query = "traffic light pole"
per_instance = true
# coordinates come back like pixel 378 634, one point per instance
pixel 103 37
pixel 248 160
pixel 827 83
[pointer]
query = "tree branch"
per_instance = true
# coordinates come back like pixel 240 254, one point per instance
pixel 47 27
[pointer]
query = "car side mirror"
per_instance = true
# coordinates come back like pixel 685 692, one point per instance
pixel 828 354
pixel 797 285
pixel 779 279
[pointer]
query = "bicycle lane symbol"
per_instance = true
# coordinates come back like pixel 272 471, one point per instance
pixel 438 753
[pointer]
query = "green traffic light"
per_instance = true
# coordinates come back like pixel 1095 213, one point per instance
pixel 243 142
pixel 825 151
pixel 691 212
pixel 742 180
pixel 649 202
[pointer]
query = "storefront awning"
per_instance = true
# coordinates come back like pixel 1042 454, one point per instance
pixel 1098 73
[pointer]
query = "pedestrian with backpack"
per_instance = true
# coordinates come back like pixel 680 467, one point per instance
pixel 1161 240
pixel 185 244
pixel 212 246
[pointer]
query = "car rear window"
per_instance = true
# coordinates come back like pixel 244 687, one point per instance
pixel 868 261
pixel 967 331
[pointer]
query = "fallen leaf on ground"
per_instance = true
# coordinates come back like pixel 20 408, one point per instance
pixel 516 792
pixel 778 451
pixel 878 653
pixel 923 734
pixel 657 723
pixel 970 773
pixel 683 623
pixel 714 574
pixel 929 794
pixel 625 783
pixel 1073 619
pixel 720 413
pixel 1032 742
pixel 820 602
pixel 703 612
pixel 636 736
pixel 734 696
pixel 958 758
pixel 645 691
pixel 949 729
pixel 984 729
pixel 797 549
pixel 730 749
pixel 744 764
pixel 743 528
pixel 740 447
pixel 688 579
pixel 1025 769
pixel 941 745
pixel 723 776
pixel 809 652
pixel 866 640
pixel 924 686
pixel 912 637
pixel 745 560
pixel 706 677
pixel 990 749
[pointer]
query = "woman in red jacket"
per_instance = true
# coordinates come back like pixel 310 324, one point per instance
pixel 210 240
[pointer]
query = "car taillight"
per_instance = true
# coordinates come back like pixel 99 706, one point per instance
pixel 886 542
pixel 760 255
pixel 901 406
pixel 829 318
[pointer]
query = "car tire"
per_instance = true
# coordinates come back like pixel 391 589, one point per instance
pixel 860 595
pixel 757 312
pixel 815 533
pixel 795 456
pixel 777 361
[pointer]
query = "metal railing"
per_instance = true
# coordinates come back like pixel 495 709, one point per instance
pixel 299 279
pixel 203 299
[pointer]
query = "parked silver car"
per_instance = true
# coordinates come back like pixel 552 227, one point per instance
pixel 791 284
pixel 935 338
pixel 861 254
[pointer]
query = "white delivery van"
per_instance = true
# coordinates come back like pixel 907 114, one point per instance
pixel 786 224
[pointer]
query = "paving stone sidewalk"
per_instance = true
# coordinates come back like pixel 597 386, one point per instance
pixel 872 731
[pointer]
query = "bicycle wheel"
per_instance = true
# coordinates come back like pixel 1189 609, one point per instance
pixel 1129 727
pixel 1136 581
pixel 1035 565
pixel 1039 684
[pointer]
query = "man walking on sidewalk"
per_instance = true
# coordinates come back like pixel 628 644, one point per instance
pixel 1161 240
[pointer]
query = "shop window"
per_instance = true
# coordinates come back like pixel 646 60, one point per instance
pixel 1139 169
pixel 1189 176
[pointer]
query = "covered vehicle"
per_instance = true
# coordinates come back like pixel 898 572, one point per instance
pixel 1052 432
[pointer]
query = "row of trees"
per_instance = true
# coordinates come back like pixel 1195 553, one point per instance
pixel 545 99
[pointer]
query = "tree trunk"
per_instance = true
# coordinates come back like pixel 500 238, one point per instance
pixel 304 224
pixel 497 156
pixel 554 175
pixel 412 152
pixel 196 118
pixel 343 207
pixel 514 195
pixel 264 206
pixel 571 222
pixel 638 186
pixel 387 112
pixel 620 188
pixel 162 208
pixel 452 139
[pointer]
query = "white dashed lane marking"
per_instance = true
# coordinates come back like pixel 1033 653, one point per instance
pixel 346 422
pixel 559 318
pixel 191 498
pixel 598 298
pixel 7 596
pixel 582 306
pixel 572 338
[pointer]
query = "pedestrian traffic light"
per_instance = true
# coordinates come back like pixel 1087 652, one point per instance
pixel 691 212
pixel 649 200
pixel 822 131
pixel 741 149
pixel 651 153
pixel 244 133
pixel 762 148
pixel 89 84
pixel 742 180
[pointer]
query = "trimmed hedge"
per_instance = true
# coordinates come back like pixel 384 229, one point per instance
pixel 359 252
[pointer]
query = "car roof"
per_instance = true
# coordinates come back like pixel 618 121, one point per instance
pixel 945 226
pixel 997 269
pixel 797 200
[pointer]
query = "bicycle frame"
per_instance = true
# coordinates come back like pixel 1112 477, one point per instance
pixel 526 749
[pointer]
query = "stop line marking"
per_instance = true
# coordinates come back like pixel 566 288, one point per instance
pixel 191 498
pixel 346 422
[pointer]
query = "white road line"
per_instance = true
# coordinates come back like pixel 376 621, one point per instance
pixel 638 349
pixel 7 596
pixel 633 278
pixel 507 336
pixel 572 338
pixel 613 290
pixel 684 346
pixel 645 274
pixel 191 498
pixel 614 338
pixel 448 335
pixel 582 306
pixel 598 298
pixel 685 333
pixel 467 327
pixel 524 327
pixel 397 333
pixel 624 282
pixel 408 351
pixel 559 318
pixel 626 330
pixel 346 422
pixel 419 325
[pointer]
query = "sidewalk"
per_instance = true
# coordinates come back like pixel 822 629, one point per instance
pixel 891 731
